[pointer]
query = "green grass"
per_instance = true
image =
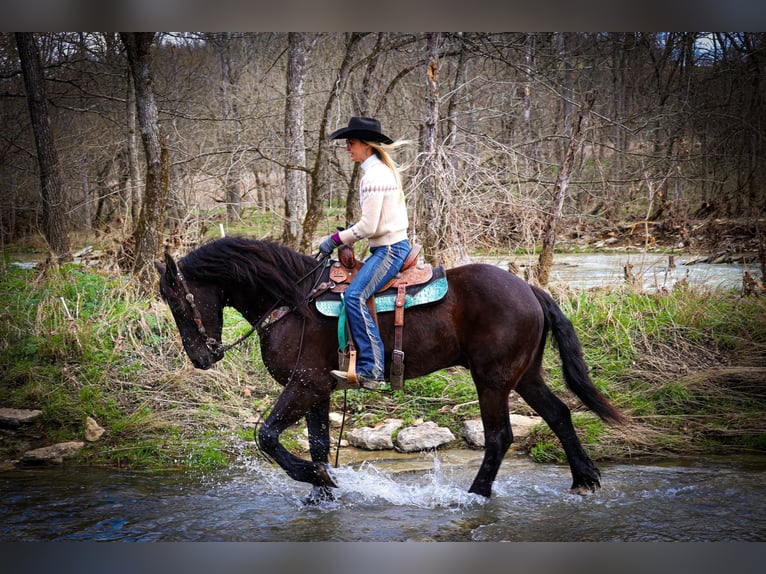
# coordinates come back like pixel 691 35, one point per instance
pixel 681 364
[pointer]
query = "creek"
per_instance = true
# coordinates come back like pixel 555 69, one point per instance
pixel 651 271
pixel 402 498
pixel 586 270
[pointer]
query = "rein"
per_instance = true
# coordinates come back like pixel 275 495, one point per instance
pixel 273 315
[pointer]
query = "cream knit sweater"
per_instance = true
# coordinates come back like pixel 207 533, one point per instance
pixel 384 214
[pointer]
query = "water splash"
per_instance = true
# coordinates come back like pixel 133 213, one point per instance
pixel 437 488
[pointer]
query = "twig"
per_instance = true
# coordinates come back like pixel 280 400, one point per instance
pixel 68 314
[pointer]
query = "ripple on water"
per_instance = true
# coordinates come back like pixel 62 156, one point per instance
pixel 707 501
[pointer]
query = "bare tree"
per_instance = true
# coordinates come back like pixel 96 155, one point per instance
pixel 545 261
pixel 428 211
pixel 230 72
pixel 679 128
pixel 296 204
pixel 151 220
pixel 133 162
pixel 55 210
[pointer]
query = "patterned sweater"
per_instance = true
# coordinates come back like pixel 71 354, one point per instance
pixel 384 214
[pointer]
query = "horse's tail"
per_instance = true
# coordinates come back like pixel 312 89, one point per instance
pixel 574 366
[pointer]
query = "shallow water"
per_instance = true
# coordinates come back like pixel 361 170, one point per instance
pixel 653 271
pixel 417 498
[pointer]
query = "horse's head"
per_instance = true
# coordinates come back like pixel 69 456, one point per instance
pixel 198 311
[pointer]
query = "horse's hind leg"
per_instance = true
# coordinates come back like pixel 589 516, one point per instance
pixel 498 437
pixel 536 393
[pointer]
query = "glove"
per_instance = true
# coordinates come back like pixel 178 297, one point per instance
pixel 328 245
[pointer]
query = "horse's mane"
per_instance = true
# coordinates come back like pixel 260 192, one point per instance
pixel 267 265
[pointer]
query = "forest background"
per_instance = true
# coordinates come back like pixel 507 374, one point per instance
pixel 520 142
pixel 155 138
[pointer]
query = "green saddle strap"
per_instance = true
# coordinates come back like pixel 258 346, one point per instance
pixel 342 325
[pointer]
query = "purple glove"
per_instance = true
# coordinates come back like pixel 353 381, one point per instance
pixel 328 245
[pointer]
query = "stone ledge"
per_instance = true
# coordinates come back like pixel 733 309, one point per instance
pixel 18 417
pixel 55 454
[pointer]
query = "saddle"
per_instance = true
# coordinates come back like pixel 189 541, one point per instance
pixel 412 275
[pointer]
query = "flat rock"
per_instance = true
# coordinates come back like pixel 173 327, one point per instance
pixel 374 438
pixel 18 417
pixel 473 430
pixel 427 436
pixel 55 454
pixel 473 433
pixel 336 419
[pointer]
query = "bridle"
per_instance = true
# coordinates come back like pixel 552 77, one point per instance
pixel 274 314
pixel 216 347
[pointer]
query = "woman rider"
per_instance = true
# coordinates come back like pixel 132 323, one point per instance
pixel 384 222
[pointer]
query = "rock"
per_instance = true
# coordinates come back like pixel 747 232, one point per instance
pixel 6 465
pixel 426 436
pixel 303 444
pixel 93 430
pixel 473 430
pixel 336 419
pixel 376 438
pixel 18 417
pixel 55 454
pixel 522 425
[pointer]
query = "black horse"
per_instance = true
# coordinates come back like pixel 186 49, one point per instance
pixel 490 321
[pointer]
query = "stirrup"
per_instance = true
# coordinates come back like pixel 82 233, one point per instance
pixel 343 381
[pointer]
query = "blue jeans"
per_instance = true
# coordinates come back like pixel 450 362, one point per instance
pixel 378 269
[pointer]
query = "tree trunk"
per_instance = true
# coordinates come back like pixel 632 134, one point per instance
pixel 133 162
pixel 429 208
pixel 55 211
pixel 230 113
pixel 545 261
pixel 151 220
pixel 296 203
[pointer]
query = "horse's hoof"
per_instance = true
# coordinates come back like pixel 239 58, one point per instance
pixel 485 491
pixel 582 490
pixel 319 495
pixel 585 488
pixel 323 473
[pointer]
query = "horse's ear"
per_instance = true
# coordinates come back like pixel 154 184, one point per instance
pixel 169 269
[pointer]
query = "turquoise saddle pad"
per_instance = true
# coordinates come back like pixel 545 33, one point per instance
pixel 332 305
pixel 430 293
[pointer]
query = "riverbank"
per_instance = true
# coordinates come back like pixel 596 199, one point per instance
pixel 687 365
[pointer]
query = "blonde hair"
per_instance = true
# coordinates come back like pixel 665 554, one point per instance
pixel 381 150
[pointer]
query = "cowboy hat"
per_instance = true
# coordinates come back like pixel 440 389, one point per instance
pixel 367 129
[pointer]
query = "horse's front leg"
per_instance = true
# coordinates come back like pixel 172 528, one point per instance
pixel 318 424
pixel 295 402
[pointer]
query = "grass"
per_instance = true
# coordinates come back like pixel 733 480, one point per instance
pixel 688 367
pixel 77 343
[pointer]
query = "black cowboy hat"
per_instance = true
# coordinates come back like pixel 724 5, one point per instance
pixel 367 129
